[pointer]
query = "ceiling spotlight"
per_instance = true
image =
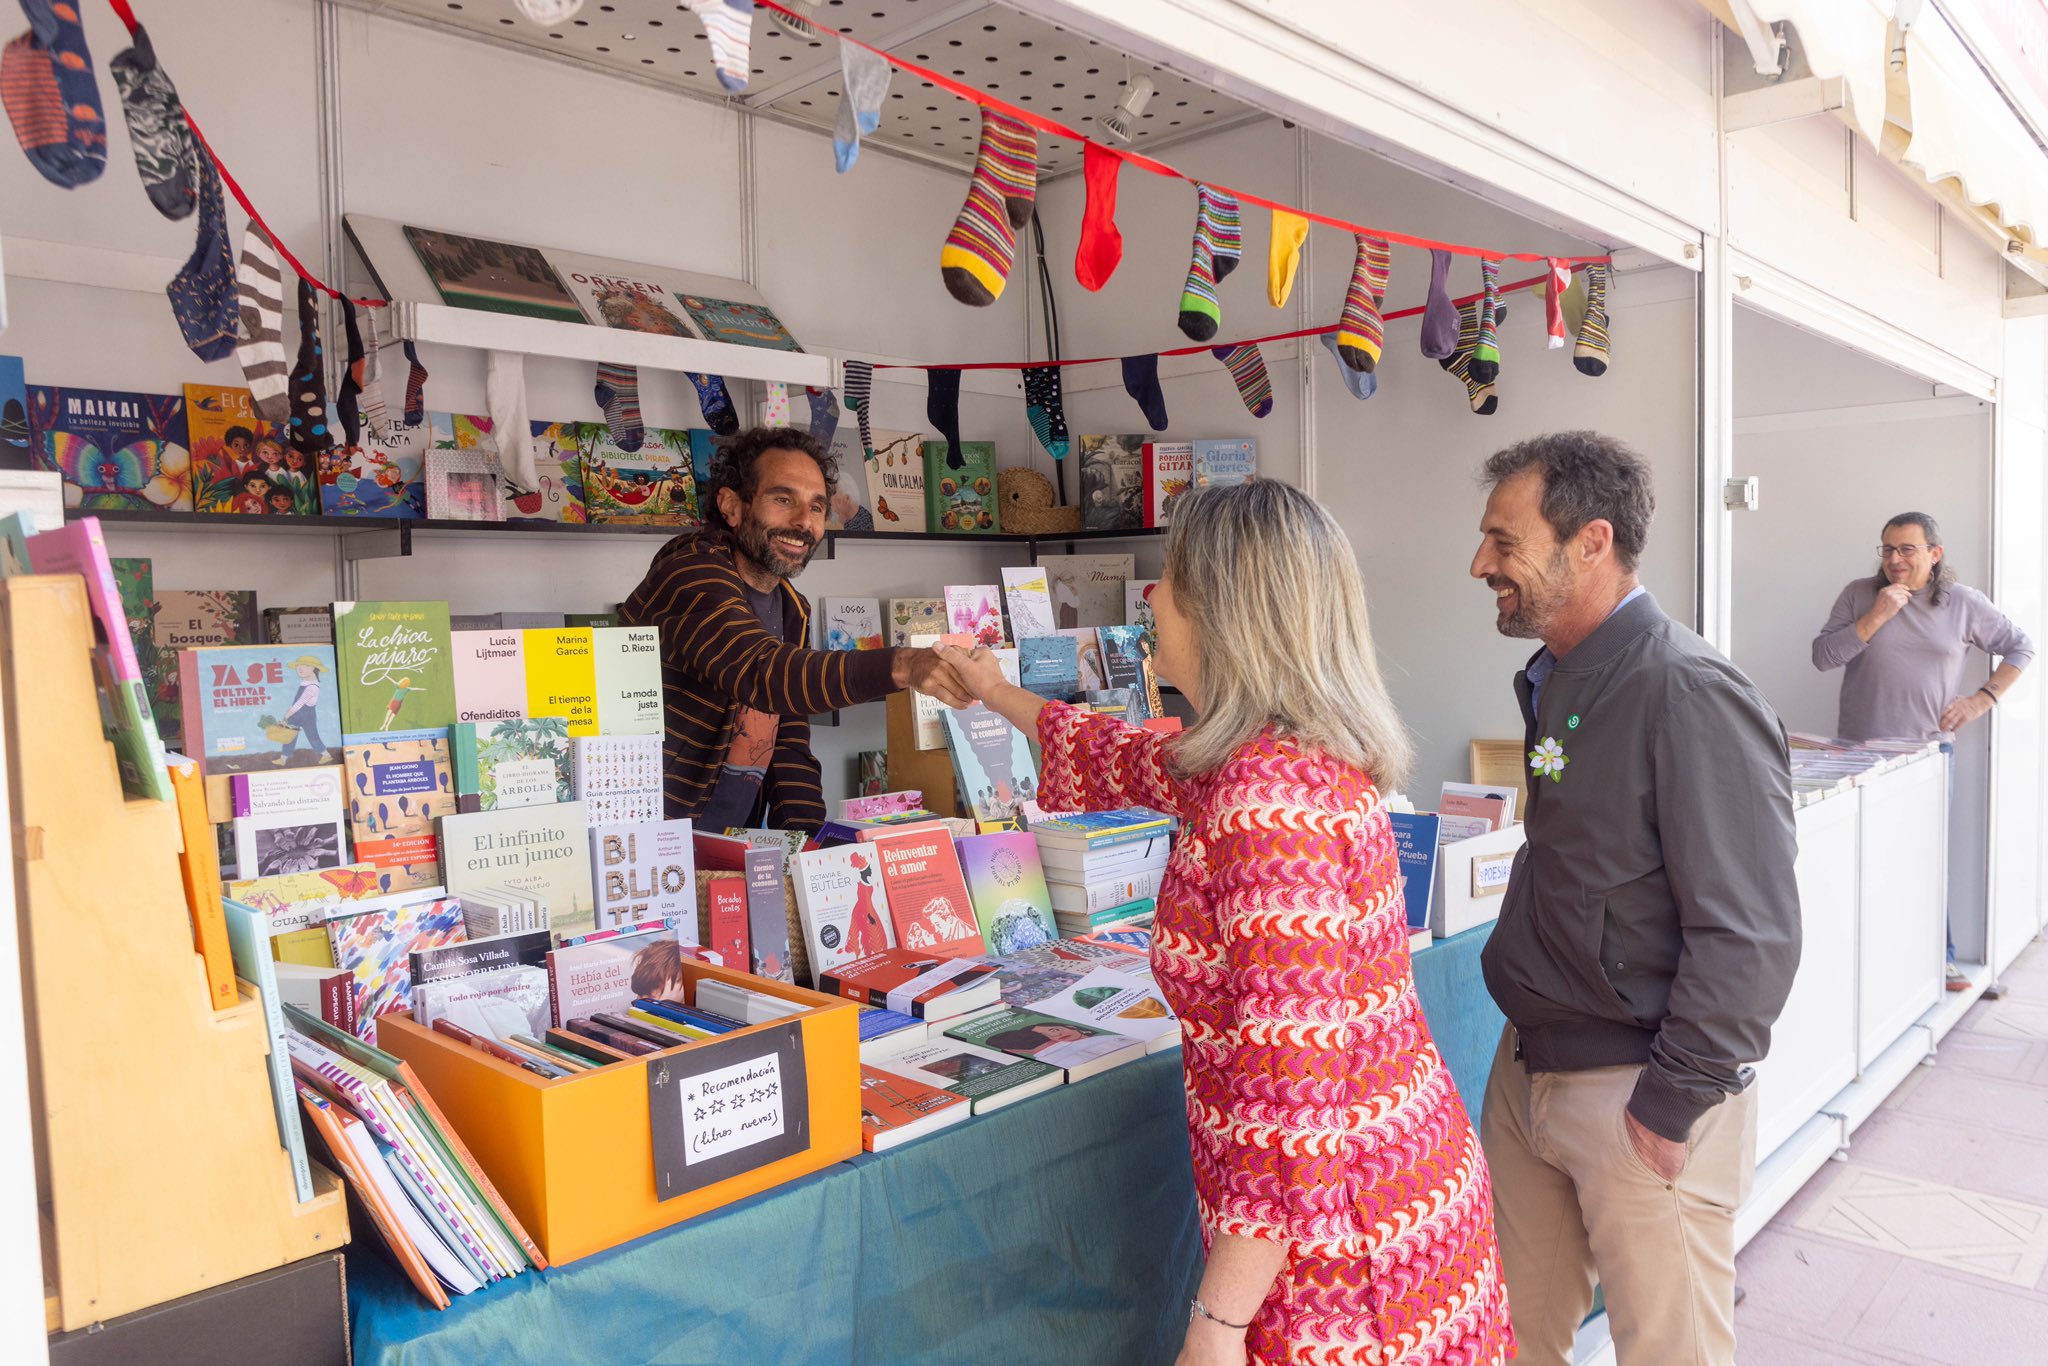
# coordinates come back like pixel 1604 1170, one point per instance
pixel 1120 121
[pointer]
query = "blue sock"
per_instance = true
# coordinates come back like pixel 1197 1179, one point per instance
pixel 1361 383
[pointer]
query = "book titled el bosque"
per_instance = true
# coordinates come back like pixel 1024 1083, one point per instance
pixel 396 666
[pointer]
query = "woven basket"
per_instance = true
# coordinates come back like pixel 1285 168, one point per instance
pixel 1027 502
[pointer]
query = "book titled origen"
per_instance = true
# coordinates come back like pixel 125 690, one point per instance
pixel 929 907
pixel 397 668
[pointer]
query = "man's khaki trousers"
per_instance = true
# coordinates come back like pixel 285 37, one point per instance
pixel 1573 1205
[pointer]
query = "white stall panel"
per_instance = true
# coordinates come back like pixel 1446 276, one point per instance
pixel 1898 969
pixel 1813 1045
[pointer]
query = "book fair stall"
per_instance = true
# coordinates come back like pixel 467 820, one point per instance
pixel 356 359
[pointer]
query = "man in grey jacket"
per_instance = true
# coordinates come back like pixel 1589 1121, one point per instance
pixel 1649 933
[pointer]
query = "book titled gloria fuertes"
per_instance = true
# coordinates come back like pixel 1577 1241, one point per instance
pixel 397 668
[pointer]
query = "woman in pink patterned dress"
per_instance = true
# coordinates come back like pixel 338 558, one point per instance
pixel 1343 1196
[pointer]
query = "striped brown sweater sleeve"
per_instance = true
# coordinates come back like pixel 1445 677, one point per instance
pixel 795 786
pixel 711 634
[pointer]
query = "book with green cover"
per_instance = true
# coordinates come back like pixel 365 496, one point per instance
pixel 961 499
pixel 1080 1050
pixel 987 1078
pixel 396 665
pixel 510 764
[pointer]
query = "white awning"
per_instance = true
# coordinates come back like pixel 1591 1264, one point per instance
pixel 1845 39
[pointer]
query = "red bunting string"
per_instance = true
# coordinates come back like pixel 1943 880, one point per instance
pixel 1055 128
pixel 1205 347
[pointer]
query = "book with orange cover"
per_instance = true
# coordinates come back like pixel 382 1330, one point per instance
pixel 409 1091
pixel 325 1121
pixel 199 865
pixel 896 1109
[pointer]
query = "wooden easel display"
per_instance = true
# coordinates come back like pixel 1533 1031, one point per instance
pixel 158 1165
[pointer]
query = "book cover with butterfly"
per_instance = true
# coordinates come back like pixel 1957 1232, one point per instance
pixel 895 470
pixel 381 477
pixel 117 451
pixel 242 464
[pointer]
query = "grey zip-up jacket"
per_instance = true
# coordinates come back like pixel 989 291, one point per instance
pixel 1652 917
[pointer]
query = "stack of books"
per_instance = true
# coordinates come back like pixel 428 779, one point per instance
pixel 1103 868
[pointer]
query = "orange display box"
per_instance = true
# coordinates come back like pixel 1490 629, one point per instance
pixel 574 1156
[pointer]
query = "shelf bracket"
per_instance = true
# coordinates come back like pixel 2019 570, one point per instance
pixel 385 544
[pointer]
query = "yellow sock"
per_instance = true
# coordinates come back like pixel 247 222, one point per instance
pixel 1283 256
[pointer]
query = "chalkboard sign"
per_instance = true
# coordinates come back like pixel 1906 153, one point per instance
pixel 727 1107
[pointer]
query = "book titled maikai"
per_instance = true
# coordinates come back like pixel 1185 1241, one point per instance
pixel 396 664
pixel 117 451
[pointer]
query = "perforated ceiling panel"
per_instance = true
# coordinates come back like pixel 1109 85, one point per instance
pixel 1020 58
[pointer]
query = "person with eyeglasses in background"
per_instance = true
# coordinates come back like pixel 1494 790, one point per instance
pixel 1902 638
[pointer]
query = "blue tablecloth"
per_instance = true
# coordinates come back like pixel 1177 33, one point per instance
pixel 1060 1230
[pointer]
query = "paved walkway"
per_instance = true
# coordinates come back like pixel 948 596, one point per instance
pixel 1930 1243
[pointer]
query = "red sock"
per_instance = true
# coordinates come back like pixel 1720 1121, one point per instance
pixel 1102 246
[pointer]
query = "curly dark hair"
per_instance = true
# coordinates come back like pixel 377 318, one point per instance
pixel 736 466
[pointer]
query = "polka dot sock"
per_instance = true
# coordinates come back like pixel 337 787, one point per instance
pixel 1045 407
pixel 308 430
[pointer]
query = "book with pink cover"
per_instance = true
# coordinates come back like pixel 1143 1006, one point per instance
pixel 490 676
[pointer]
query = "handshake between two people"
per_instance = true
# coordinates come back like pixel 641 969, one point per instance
pixel 956 677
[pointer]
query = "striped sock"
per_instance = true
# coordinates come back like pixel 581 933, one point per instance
pixel 72 151
pixel 202 293
pixel 1218 239
pixel 1485 361
pixel 982 246
pixel 376 413
pixel 415 388
pixel 729 24
pixel 858 380
pixel 259 286
pixel 309 430
pixel 1248 371
pixel 716 405
pixel 1360 334
pixel 824 415
pixel 1479 393
pixel 1361 383
pixel 1045 407
pixel 1590 352
pixel 618 393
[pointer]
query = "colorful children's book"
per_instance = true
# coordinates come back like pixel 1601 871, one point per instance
pixel 851 623
pixel 1226 462
pixel 1169 473
pixel 16 448
pixel 962 499
pixel 730 320
pixel 992 761
pixel 185 620
pixel 1028 594
pixel 975 610
pixel 1049 666
pixel 289 821
pixel 292 902
pixel 1112 483
pixel 509 764
pixel 631 302
pixel 617 777
pixel 399 784
pixel 894 1110
pixel 240 464
pixel 705 446
pixel 384 476
pixel 544 850
pixel 396 666
pixel 851 507
pixel 125 714
pixel 895 468
pixel 1007 884
pixel 908 617
pixel 490 675
pixel 646 871
pixel 1080 1050
pixel 929 908
pixel 117 451
pixel 376 945
pixel 627 662
pixel 558 463
pixel 655 485
pixel 561 677
pixel 840 900
pixel 501 277
pixel 1087 590
pixel 985 1078
pixel 256 708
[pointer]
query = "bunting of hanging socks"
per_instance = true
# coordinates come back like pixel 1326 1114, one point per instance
pixel 1361 334
pixel 1102 247
pixel 942 410
pixel 1141 382
pixel 729 24
pixel 1485 356
pixel 1590 354
pixel 346 406
pixel 1557 279
pixel 859 383
pixel 982 246
pixel 1439 313
pixel 1248 371
pixel 1045 408
pixel 1479 393
pixel 1218 246
pixel 1361 383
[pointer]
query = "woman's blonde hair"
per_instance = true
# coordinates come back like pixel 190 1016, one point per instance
pixel 1269 582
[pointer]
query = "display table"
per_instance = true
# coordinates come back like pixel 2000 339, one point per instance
pixel 1066 1219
